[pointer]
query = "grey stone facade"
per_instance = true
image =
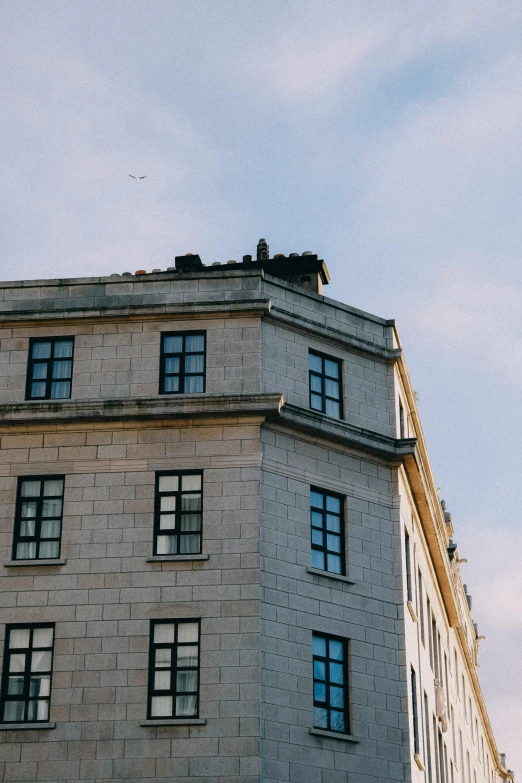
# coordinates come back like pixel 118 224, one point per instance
pixel 260 448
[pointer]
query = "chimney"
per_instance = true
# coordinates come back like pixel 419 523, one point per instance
pixel 190 262
pixel 263 252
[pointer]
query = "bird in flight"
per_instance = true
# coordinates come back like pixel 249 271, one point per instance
pixel 137 178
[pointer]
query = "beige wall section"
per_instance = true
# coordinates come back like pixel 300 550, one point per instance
pixel 121 359
pixel 103 598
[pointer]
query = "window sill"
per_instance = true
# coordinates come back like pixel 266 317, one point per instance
pixel 26 726
pixel 25 563
pixel 412 611
pixel 175 558
pixel 174 722
pixel 418 762
pixel 333 735
pixel 330 575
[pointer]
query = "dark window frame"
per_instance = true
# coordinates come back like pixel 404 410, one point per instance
pixel 407 554
pixel 342 535
pixel 345 685
pixel 26 696
pixel 182 354
pixel 415 711
pixel 153 646
pixel 48 380
pixel 178 493
pixel 325 357
pixel 17 537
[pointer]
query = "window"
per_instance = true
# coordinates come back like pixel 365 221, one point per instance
pixel 26 678
pixel 421 608
pixel 182 363
pixel 174 669
pixel 408 566
pixel 414 711
pixel 178 513
pixel 325 384
pixel 401 420
pixel 428 741
pixel 49 370
pixel 38 518
pixel 430 640
pixel 330 683
pixel 326 511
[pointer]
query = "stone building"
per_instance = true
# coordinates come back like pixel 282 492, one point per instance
pixel 224 557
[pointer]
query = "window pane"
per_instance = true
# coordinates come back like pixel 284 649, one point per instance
pixel 195 363
pixel 194 342
pixel 14 711
pixel 319 670
pixel 60 390
pixel 38 710
pixel 320 718
pixel 318 559
pixel 333 523
pixel 189 544
pixel 27 527
pixel 168 483
pixel 161 707
pixel 317 519
pixel 317 499
pixel 171 383
pixel 26 550
pixel 43 637
pixel 40 371
pixel 187 656
pixel 333 504
pixel 15 686
pixel 164 633
pixel 52 508
pixel 337 721
pixel 332 389
pixel 62 369
pixel 315 363
pixel 173 344
pixel 336 650
pixel 317 536
pixel 319 691
pixel 168 503
pixel 333 543
pixel 38 389
pixel 191 482
pixel 188 632
pixel 187 681
pixel 316 402
pixel 331 369
pixel 41 661
pixel 53 487
pixel 167 545
pixel 162 680
pixel 186 706
pixel 337 697
pixel 334 564
pixel 29 509
pixel 316 383
pixel 190 522
pixel 333 409
pixel 41 350
pixel 30 489
pixel 17 662
pixel 49 549
pixel 319 646
pixel 40 686
pixel 336 673
pixel 63 349
pixel 167 521
pixel 191 502
pixel 193 384
pixel 172 365
pixel 163 656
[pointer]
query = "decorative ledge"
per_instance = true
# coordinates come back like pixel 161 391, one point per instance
pixel 174 722
pixel 333 735
pixel 418 762
pixel 26 726
pixel 175 558
pixel 317 424
pixel 162 406
pixel 330 575
pixel 31 563
pixel 412 611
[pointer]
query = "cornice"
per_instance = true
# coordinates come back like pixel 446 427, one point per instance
pixel 311 328
pixel 146 408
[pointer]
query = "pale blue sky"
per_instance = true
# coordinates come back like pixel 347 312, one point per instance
pixel 384 136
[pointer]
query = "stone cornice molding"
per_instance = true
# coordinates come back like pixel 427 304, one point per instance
pixel 141 408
